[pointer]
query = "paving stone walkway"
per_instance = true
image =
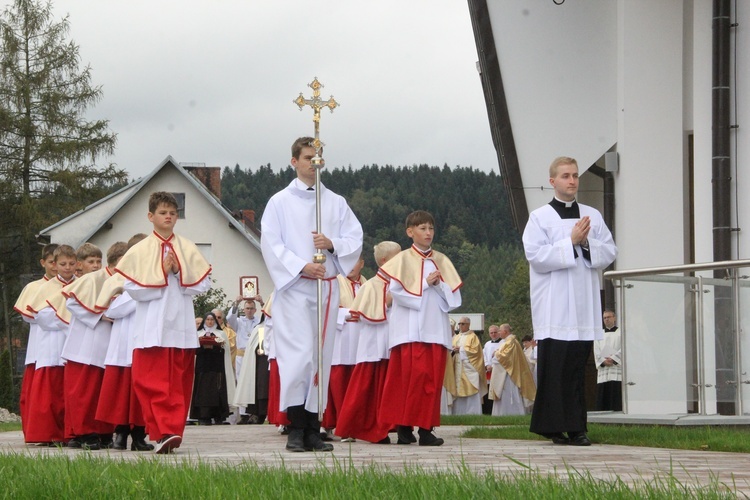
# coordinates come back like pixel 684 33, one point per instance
pixel 262 445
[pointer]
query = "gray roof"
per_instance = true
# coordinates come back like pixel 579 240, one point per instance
pixel 140 183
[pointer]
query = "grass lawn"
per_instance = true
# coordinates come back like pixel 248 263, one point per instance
pixel 713 438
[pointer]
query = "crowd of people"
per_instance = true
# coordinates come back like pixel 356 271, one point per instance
pixel 118 351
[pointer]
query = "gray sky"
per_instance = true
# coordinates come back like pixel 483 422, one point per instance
pixel 213 81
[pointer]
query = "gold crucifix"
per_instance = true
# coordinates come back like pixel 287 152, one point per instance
pixel 316 103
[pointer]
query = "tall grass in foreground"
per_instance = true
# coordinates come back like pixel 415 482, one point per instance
pixel 85 476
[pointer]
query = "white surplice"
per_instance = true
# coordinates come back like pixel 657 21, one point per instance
pixel 565 289
pixel 287 244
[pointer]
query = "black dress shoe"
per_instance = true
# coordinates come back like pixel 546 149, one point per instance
pixel 313 442
pixel 74 443
pixel 105 441
pixel 405 435
pixel 580 440
pixel 385 440
pixel 120 442
pixel 139 439
pixel 559 438
pixel 90 442
pixel 295 440
pixel 427 438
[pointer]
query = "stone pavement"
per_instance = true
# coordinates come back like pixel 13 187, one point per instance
pixel 262 445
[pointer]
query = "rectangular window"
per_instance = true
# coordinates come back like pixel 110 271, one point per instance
pixel 180 197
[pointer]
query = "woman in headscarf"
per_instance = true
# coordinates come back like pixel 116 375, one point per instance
pixel 213 387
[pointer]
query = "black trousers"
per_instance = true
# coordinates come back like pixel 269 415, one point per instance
pixel 560 404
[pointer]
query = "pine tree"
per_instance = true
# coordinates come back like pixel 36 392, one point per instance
pixel 47 147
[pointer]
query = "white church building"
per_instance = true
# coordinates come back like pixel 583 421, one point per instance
pixel 652 97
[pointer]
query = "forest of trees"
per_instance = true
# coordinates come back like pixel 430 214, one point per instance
pixel 472 218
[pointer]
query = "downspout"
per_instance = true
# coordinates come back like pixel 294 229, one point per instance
pixel 721 181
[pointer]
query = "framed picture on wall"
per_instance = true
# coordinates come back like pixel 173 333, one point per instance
pixel 249 287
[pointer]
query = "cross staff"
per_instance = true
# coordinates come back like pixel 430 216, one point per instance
pixel 316 103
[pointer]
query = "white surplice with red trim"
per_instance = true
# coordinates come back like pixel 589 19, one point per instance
pixel 420 311
pixel 164 315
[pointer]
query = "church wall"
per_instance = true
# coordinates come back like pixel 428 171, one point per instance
pixel 559 72
pixel 650 138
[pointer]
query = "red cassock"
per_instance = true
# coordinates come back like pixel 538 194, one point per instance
pixel 337 389
pixel 163 382
pixel 118 404
pixel 47 405
pixel 358 417
pixel 23 403
pixel 83 384
pixel 275 416
pixel 413 385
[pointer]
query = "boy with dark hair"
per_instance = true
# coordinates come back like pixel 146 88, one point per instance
pixel 46 408
pixel 162 274
pixel 118 404
pixel 425 287
pixel 29 291
pixel 86 348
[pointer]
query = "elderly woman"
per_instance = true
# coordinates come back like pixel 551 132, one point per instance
pixel 213 387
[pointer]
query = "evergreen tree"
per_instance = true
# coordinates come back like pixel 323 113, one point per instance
pixel 7 392
pixel 47 147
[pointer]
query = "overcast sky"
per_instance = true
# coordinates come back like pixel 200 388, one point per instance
pixel 213 81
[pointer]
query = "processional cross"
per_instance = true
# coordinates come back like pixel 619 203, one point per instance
pixel 316 103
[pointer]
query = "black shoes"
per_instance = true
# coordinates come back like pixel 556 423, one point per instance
pixel 405 435
pixel 120 442
pixel 313 442
pixel 427 438
pixel 573 439
pixel 579 439
pixel 295 440
pixel 90 442
pixel 139 440
pixel 559 438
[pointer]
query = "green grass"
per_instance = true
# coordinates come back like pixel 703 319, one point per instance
pixel 85 476
pixel 10 426
pixel 714 438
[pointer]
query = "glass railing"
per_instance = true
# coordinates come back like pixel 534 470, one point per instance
pixel 684 331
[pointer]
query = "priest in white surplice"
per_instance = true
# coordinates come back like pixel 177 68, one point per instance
pixel 567 244
pixel 289 242
pixel 244 326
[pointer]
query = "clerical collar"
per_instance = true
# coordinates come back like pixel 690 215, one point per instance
pixel 613 329
pixel 566 209
pixel 496 341
pixel 567 204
